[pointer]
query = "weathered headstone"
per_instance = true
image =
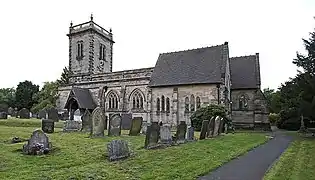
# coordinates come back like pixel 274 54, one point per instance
pixel 221 127
pixel 10 111
pixel 114 125
pixel 42 114
pixel 136 126
pixel 210 127
pixel 118 149
pixel 216 126
pixel 126 121
pixel 152 135
pixel 98 122
pixel 144 127
pixel 204 129
pixel 165 135
pixel 48 125
pixel 71 126
pixel 77 115
pixel 38 144
pixel 191 134
pixel 24 113
pixel 181 132
pixel 87 121
pixel 52 114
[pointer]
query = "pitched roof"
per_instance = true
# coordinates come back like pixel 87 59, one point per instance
pixel 83 98
pixel 245 72
pixel 196 66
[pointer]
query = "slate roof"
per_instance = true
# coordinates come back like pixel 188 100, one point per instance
pixel 245 72
pixel 196 66
pixel 83 97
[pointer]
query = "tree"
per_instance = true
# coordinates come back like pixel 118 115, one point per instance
pixel 65 76
pixel 7 96
pixel 46 97
pixel 273 100
pixel 24 94
pixel 205 113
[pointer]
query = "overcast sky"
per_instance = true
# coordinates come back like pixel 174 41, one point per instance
pixel 34 45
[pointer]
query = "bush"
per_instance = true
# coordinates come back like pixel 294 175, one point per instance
pixel 205 113
pixel 274 118
pixel 289 119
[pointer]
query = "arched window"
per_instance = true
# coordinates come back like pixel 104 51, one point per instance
pixel 192 103
pixel 158 104
pixel 198 104
pixel 163 103
pixel 137 100
pixel 186 104
pixel 243 102
pixel 112 101
pixel 167 104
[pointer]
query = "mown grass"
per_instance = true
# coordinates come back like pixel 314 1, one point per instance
pixel 16 122
pixel 75 156
pixel 296 163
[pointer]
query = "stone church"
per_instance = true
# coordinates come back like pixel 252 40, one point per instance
pixel 179 84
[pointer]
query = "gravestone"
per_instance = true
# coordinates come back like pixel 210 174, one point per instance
pixel 204 129
pixel 221 127
pixel 136 125
pixel 216 126
pixel 42 114
pixel 34 115
pixel 98 122
pixel 72 126
pixel 117 150
pixel 126 121
pixel 191 134
pixel 114 125
pixel 165 135
pixel 87 121
pixel 10 111
pixel 210 127
pixel 48 125
pixel 52 114
pixel 24 113
pixel 3 115
pixel 38 144
pixel 77 115
pixel 144 127
pixel 181 132
pixel 152 135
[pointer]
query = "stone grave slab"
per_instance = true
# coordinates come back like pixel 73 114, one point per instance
pixel 221 127
pixel 204 129
pixel 117 150
pixel 48 125
pixel 152 136
pixel 181 132
pixel 72 126
pixel 24 113
pixel 216 126
pixel 136 125
pixel 38 144
pixel 98 122
pixel 114 125
pixel 165 135
pixel 52 114
pixel 210 127
pixel 191 134
pixel 87 121
pixel 126 120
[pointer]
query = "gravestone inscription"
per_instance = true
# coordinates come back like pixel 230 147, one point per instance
pixel 48 125
pixel 117 150
pixel 165 135
pixel 98 122
pixel 114 125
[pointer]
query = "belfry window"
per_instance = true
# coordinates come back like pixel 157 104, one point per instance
pixel 102 52
pixel 80 49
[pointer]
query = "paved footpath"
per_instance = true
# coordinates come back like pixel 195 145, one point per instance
pixel 254 164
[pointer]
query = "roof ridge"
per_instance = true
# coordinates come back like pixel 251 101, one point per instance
pixel 186 50
pixel 244 56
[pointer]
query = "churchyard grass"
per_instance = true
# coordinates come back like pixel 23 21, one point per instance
pixel 75 156
pixel 297 162
pixel 16 122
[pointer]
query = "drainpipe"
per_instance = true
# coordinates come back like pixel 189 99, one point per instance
pixel 218 91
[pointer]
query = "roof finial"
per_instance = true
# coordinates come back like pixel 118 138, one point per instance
pixel 71 24
pixel 110 30
pixel 91 16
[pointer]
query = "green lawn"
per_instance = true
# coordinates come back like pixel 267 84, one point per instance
pixel 296 163
pixel 75 156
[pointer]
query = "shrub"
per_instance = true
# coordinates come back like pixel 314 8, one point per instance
pixel 205 113
pixel 274 118
pixel 289 119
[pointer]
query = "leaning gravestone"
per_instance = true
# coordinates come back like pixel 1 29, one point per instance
pixel 38 144
pixel 86 121
pixel 77 115
pixel 191 134
pixel 52 114
pixel 98 122
pixel 72 126
pixel 221 127
pixel 117 150
pixel 24 113
pixel 181 132
pixel 152 136
pixel 165 135
pixel 114 125
pixel 204 129
pixel 48 125
pixel 216 126
pixel 210 127
pixel 42 114
pixel 136 125
pixel 126 121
